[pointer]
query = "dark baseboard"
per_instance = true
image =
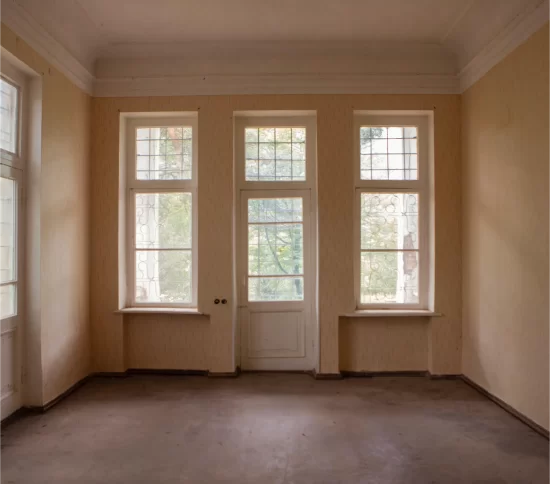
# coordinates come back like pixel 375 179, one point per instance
pixel 224 374
pixel 512 411
pixel 109 374
pixel 327 376
pixel 167 372
pixel 414 373
pixel 277 372
pixel 444 377
pixel 373 374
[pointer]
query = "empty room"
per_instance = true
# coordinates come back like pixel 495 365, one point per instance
pixel 292 242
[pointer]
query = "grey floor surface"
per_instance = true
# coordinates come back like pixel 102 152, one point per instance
pixel 273 428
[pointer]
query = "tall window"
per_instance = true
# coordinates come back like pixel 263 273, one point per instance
pixel 162 222
pixel 9 117
pixel 392 206
pixel 10 181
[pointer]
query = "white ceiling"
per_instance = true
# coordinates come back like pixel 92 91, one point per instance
pixel 146 38
pixel 282 20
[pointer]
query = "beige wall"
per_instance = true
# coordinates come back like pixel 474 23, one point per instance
pixel 163 342
pixel 184 342
pixel 505 221
pixel 390 344
pixel 62 323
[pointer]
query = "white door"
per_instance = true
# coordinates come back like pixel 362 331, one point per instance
pixel 10 289
pixel 276 290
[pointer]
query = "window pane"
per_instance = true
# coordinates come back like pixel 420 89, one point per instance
pixel 278 153
pixel 275 249
pixel 8 301
pixel 8 229
pixel 389 277
pixel 388 153
pixel 163 276
pixel 8 116
pixel 164 220
pixel 270 210
pixel 276 289
pixel 164 153
pixel 389 221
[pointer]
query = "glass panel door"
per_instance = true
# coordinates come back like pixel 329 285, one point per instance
pixel 8 252
pixel 10 291
pixel 276 296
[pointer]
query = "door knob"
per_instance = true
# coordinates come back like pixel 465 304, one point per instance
pixel 224 301
pixel 216 301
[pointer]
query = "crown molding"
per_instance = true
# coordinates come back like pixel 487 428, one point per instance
pixel 276 84
pixel 25 26
pixel 518 30
pixel 511 37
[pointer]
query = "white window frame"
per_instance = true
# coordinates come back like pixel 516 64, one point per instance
pixel 135 186
pixel 12 165
pixel 422 186
pixel 290 121
pixel 7 157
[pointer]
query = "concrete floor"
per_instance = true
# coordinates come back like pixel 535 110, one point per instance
pixel 269 428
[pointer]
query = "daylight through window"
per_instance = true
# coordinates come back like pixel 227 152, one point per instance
pixel 392 188
pixel 162 198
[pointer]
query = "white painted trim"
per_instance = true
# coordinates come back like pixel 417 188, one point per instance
pixel 282 113
pixel 18 19
pixel 422 186
pixel 517 32
pixel 26 27
pixel 392 313
pixel 160 310
pixel 134 186
pixel 276 84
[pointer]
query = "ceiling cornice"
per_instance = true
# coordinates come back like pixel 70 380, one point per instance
pixel 277 84
pixel 515 33
pixel 26 27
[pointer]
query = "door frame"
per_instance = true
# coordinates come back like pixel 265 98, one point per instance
pixel 242 120
pixel 15 324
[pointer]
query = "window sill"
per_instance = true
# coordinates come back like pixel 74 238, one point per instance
pixel 392 313
pixel 149 310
